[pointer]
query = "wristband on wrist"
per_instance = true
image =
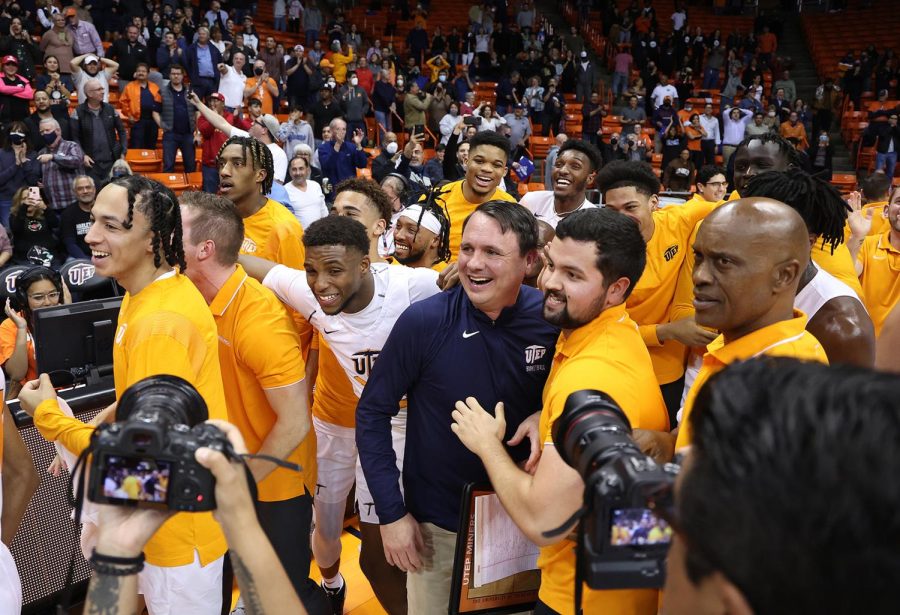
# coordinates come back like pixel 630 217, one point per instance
pixel 116 566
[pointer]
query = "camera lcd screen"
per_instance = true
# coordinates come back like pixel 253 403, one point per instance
pixel 631 527
pixel 136 479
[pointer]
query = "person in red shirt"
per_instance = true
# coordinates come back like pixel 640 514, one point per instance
pixel 365 76
pixel 213 140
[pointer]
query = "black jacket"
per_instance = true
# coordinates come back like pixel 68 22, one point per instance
pixel 60 114
pixel 82 132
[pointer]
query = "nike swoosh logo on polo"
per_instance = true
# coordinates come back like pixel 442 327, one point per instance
pixel 327 332
pixel 467 335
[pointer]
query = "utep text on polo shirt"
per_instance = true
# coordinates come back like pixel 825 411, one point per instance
pixel 441 351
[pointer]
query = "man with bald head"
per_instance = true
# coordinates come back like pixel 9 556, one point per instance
pixel 749 255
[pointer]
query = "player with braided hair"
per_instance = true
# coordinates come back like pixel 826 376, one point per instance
pixel 164 327
pixel 422 235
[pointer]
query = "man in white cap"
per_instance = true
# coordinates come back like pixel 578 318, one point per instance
pixel 88 66
pixel 422 237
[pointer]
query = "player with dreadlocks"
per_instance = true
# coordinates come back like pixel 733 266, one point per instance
pixel 164 327
pixel 422 235
pixel 770 152
pixel 837 316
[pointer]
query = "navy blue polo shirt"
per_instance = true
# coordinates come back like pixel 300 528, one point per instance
pixel 440 351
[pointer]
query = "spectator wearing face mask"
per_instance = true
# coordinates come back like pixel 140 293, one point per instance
pixel 386 162
pixel 262 87
pixel 355 105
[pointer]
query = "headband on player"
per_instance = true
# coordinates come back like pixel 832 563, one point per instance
pixel 429 220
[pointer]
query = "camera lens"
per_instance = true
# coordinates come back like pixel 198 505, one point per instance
pixel 591 430
pixel 167 400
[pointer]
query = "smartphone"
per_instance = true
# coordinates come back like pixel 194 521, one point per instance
pixel 34 193
pixel 472 120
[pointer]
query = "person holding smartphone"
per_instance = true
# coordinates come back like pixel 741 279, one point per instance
pixel 35 229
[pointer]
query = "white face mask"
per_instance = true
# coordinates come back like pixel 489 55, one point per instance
pixel 771 114
pixel 354 81
pixel 399 83
pixel 442 78
pixel 391 148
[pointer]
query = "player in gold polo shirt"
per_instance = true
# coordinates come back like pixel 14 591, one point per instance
pixel 749 258
pixel 263 373
pixel 485 169
pixel 271 231
pixel 632 189
pixel 164 327
pixel 878 260
pixel 592 265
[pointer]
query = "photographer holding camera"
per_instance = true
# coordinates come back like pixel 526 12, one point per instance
pixel 597 253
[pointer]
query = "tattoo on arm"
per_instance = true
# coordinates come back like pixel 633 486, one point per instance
pixel 250 594
pixel 104 595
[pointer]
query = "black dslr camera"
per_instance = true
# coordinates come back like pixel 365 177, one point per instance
pixel 146 458
pixel 622 543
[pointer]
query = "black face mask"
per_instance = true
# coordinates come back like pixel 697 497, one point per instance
pixel 257 71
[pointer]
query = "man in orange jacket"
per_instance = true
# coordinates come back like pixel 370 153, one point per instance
pixel 141 103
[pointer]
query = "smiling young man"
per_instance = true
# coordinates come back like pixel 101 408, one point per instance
pixel 632 189
pixel 573 172
pixel 591 267
pixel 711 185
pixel 485 338
pixel 164 327
pixel 422 237
pixel 486 167
pixel 353 304
pixel 750 255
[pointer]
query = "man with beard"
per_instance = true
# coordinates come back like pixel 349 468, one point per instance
pixel 592 265
pixel 422 237
pixel 574 169
pixel 487 333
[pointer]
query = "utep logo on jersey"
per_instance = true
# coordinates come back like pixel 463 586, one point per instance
pixel 670 252
pixel 248 246
pixel 533 354
pixel 81 273
pixel 363 362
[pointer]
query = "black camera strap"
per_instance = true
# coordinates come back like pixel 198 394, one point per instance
pixel 76 501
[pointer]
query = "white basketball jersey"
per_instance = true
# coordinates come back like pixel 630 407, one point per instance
pixel 821 289
pixel 356 339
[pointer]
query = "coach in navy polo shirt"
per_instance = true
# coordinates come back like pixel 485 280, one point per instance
pixel 486 339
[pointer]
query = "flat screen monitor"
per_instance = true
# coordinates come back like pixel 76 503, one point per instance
pixel 76 339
